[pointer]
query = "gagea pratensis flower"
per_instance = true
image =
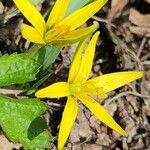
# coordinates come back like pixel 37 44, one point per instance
pixel 59 29
pixel 80 88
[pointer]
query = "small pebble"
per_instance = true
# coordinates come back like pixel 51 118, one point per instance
pixel 96 68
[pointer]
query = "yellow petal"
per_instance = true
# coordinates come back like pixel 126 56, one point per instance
pixel 87 60
pixel 80 16
pixel 76 61
pixel 100 113
pixel 56 90
pixel 31 34
pixel 113 81
pixel 68 118
pixel 57 12
pixel 102 95
pixel 70 37
pixel 31 14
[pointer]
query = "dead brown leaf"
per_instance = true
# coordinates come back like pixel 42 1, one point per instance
pixel 116 7
pixel 74 135
pixel 104 139
pixel 95 124
pixel 81 129
pixel 92 147
pixel 139 145
pixel 111 108
pixel 85 129
pixel 139 19
pixel 142 31
pixel 6 145
pixel 1 8
pixel 147 1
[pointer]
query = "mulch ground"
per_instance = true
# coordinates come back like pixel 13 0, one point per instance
pixel 124 44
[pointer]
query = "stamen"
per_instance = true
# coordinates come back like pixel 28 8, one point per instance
pixel 62 29
pixel 93 91
pixel 50 35
pixel 74 89
pixel 55 33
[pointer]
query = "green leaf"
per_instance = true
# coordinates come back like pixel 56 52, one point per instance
pixel 17 68
pixel 20 120
pixel 46 56
pixel 34 87
pixel 76 4
pixel 34 2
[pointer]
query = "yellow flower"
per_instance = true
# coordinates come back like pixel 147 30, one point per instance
pixel 80 88
pixel 58 29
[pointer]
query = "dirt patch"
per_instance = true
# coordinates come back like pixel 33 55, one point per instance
pixel 124 44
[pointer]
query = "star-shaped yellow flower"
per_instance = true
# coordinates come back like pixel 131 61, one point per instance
pixel 80 88
pixel 59 29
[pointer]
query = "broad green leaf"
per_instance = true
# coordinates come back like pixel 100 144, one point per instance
pixel 17 68
pixel 21 122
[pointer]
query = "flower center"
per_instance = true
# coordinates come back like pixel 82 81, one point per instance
pixel 56 32
pixel 87 89
pixel 74 89
pixel 94 91
pixel 61 30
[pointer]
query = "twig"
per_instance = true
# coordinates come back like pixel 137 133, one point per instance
pixel 124 94
pixel 145 57
pixel 51 104
pixel 146 62
pixel 104 21
pixel 11 13
pixel 141 47
pixel 10 92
